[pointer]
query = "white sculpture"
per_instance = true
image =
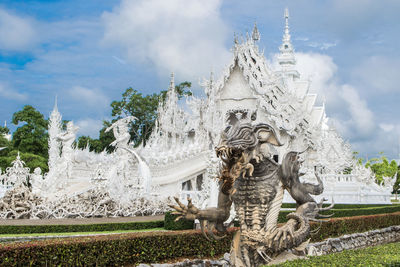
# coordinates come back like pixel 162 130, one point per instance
pixel 36 179
pixel 67 139
pixel 121 133
pixel 54 130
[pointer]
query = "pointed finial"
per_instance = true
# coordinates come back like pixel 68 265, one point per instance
pixel 286 36
pixel 286 58
pixel 55 104
pixel 172 81
pixel 255 35
pixel 235 39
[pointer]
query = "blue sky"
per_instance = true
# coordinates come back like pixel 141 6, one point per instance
pixel 89 52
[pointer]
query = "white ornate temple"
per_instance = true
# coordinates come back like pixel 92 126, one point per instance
pixel 179 158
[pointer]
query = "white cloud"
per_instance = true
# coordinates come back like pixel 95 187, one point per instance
pixel 11 94
pixel 89 127
pixel 301 38
pixel 362 118
pixel 121 61
pixel 387 127
pixel 91 97
pixel 17 33
pixel 322 46
pixel 379 73
pixel 186 37
pixel 319 68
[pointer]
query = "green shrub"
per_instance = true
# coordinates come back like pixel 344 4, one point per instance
pixel 342 206
pixel 337 213
pixel 357 224
pixel 113 249
pixel 30 229
pixel 170 224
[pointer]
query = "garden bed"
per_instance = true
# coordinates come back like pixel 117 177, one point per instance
pixel 150 247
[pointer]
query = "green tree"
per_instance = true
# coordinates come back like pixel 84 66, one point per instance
pixel 100 144
pixel 32 135
pixel 382 167
pixel 144 108
pixel 396 186
pixel 31 160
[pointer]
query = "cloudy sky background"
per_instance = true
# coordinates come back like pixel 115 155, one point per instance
pixel 89 52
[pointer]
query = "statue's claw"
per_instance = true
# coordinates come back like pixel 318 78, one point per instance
pixel 203 226
pixel 325 216
pixel 188 212
pixel 264 256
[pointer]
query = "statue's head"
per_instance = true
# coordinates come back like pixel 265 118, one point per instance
pixel 246 141
pixel 71 128
pixel 244 136
pixel 70 125
pixel 37 171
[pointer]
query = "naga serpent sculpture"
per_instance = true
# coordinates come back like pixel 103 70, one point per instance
pixel 255 183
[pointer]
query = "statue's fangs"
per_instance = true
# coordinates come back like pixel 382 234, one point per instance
pixel 255 183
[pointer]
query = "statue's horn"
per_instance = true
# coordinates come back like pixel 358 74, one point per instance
pixel 265 133
pixel 303 151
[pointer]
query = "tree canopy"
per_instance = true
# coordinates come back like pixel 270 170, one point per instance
pixel 30 139
pixel 32 135
pixel 382 167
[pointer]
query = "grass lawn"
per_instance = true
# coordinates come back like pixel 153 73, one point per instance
pixel 82 233
pixel 383 255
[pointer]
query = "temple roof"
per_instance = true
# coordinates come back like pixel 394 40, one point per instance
pixel 282 94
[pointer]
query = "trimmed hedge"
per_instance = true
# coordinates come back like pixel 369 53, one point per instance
pixel 343 206
pixel 112 250
pixel 150 247
pixel 338 213
pixel 348 225
pixel 170 224
pixel 30 229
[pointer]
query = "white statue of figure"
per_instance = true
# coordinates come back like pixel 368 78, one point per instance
pixel 37 180
pixel 67 138
pixel 118 175
pixel 388 182
pixel 121 133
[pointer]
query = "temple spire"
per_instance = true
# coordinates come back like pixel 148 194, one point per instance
pixel 286 36
pixel 255 35
pixel 172 81
pixel 286 49
pixel 286 58
pixel 172 95
pixel 55 108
